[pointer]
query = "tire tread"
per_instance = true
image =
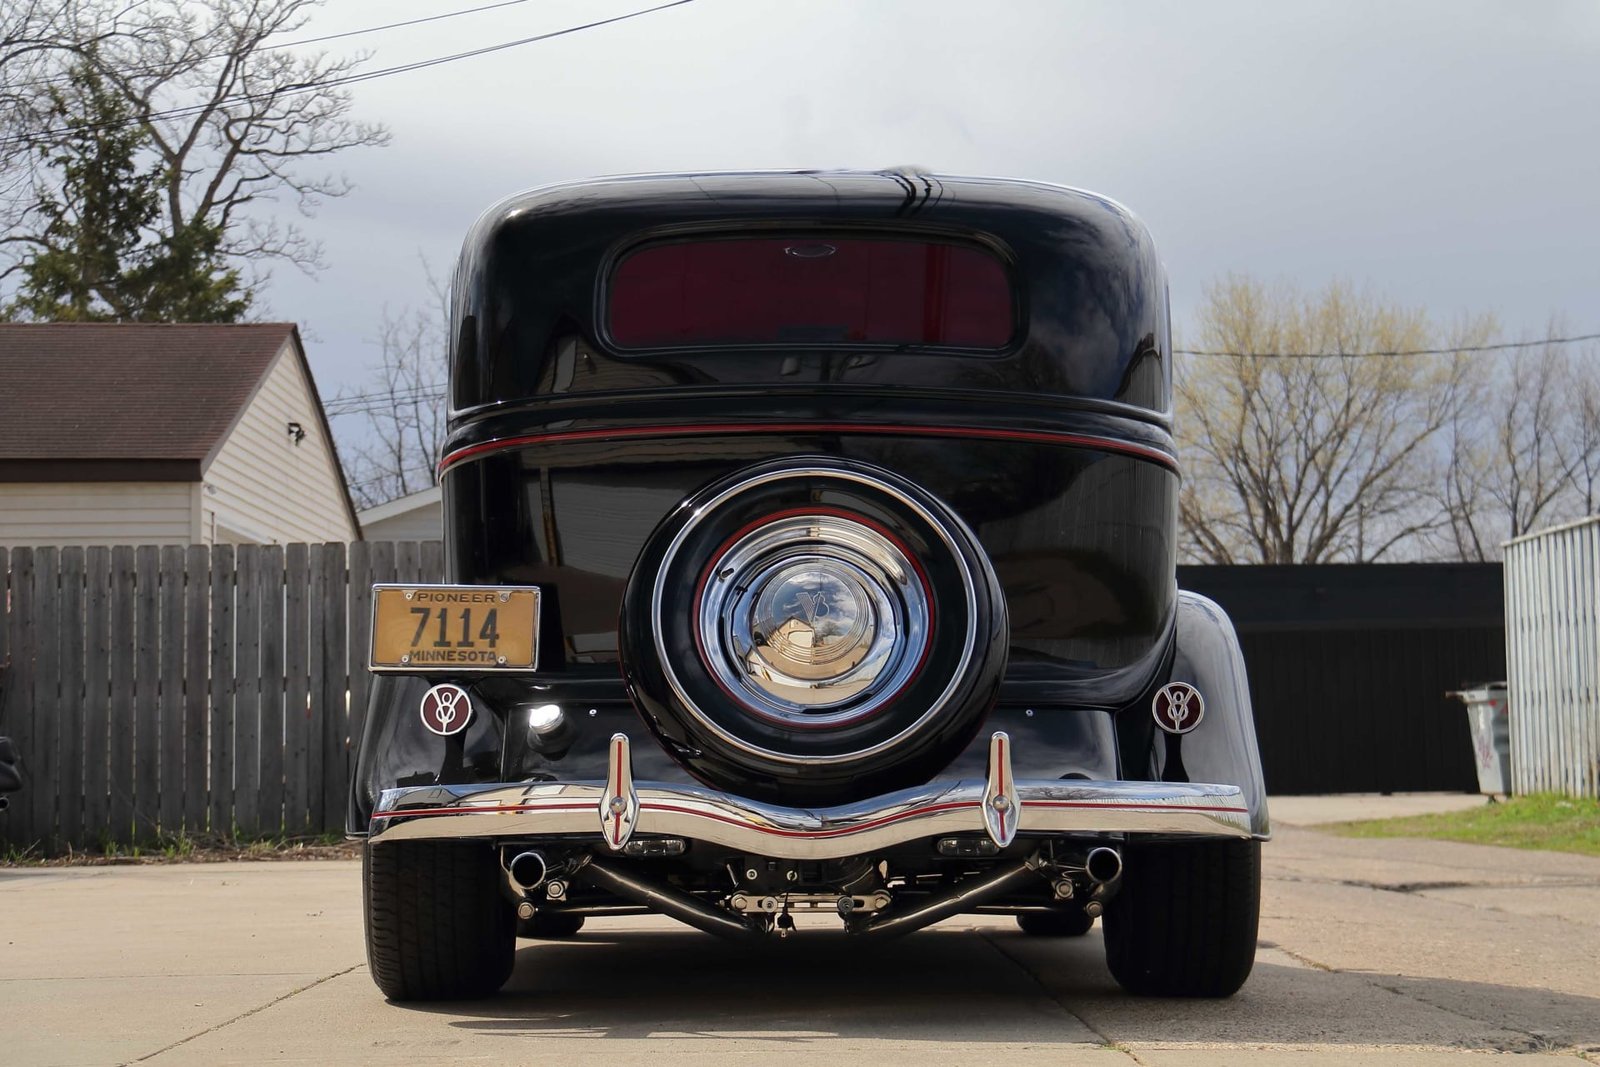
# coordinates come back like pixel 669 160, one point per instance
pixel 1184 922
pixel 438 927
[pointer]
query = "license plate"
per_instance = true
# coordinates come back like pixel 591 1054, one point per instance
pixel 453 628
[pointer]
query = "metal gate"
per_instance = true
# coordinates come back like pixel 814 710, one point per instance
pixel 1553 659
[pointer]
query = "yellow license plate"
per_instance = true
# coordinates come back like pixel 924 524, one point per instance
pixel 454 628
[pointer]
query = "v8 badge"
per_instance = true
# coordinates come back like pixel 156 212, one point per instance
pixel 446 709
pixel 1178 707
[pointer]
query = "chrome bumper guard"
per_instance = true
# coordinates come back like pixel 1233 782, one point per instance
pixel 998 805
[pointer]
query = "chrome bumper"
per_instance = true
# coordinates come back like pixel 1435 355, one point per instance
pixel 999 806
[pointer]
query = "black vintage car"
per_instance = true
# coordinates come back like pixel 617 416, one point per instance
pixel 811 540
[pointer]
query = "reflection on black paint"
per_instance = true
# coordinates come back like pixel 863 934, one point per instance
pixel 1080 540
pixel 1092 292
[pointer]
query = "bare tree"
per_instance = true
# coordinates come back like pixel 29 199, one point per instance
pixel 1299 450
pixel 1528 455
pixel 1585 399
pixel 398 417
pixel 34 35
pixel 234 120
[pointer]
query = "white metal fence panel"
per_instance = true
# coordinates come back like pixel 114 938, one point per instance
pixel 1553 659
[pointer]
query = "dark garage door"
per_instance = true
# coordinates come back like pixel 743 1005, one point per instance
pixel 1349 666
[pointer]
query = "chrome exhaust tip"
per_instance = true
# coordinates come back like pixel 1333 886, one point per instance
pixel 528 870
pixel 1103 865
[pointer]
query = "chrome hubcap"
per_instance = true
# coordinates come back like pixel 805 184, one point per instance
pixel 814 620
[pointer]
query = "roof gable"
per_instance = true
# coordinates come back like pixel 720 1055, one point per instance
pixel 95 397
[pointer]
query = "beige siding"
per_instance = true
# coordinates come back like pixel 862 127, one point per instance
pixel 265 487
pixel 97 513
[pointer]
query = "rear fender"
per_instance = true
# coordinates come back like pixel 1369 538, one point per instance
pixel 1222 748
pixel 396 750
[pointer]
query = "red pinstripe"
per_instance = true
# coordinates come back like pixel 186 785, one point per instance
pixel 1049 437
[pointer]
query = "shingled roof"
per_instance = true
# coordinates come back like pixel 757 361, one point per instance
pixel 93 401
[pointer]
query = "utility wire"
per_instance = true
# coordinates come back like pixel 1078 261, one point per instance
pixel 1500 347
pixel 65 79
pixel 390 26
pixel 295 89
pixel 370 403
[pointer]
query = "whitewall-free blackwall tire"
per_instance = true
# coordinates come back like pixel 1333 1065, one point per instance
pixel 1183 923
pixel 438 927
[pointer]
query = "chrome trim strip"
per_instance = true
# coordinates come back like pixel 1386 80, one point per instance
pixel 940 808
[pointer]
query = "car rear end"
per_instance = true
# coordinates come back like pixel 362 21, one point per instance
pixel 811 544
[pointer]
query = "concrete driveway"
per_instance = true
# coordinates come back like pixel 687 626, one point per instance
pixel 1372 951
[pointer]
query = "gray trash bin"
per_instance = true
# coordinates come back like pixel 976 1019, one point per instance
pixel 1488 716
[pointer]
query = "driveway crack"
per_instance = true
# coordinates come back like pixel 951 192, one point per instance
pixel 246 1014
pixel 1105 1040
pixel 1531 1042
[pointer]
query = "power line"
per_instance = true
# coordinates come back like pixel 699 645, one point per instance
pixel 391 26
pixel 1500 347
pixel 64 79
pixel 372 403
pixel 295 89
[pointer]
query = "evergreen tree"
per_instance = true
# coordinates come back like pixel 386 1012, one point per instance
pixel 98 257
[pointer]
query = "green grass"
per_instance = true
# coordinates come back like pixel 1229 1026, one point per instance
pixel 1544 820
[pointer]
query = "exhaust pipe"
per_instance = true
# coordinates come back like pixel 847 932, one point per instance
pixel 528 870
pixel 1103 865
pixel 667 900
pixel 964 897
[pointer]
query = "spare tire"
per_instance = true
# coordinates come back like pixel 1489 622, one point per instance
pixel 813 631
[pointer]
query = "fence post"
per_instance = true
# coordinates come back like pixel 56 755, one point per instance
pixel 247 694
pixel 222 686
pixel 334 697
pixel 316 751
pixel 17 825
pixel 272 657
pixel 197 673
pixel 119 825
pixel 146 693
pixel 296 727
pixel 173 627
pixel 97 697
pixel 72 718
pixel 46 696
pixel 359 626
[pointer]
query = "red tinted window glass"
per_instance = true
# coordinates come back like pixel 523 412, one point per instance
pixel 809 290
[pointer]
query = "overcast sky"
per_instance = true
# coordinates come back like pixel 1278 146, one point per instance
pixel 1446 153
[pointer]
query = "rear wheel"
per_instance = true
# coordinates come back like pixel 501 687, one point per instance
pixel 1184 922
pixel 438 927
pixel 1066 922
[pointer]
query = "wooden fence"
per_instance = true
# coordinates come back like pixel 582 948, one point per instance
pixel 159 691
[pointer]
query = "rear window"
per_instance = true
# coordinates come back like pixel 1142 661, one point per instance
pixel 810 290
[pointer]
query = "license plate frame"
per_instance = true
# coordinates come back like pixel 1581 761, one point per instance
pixel 420 628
